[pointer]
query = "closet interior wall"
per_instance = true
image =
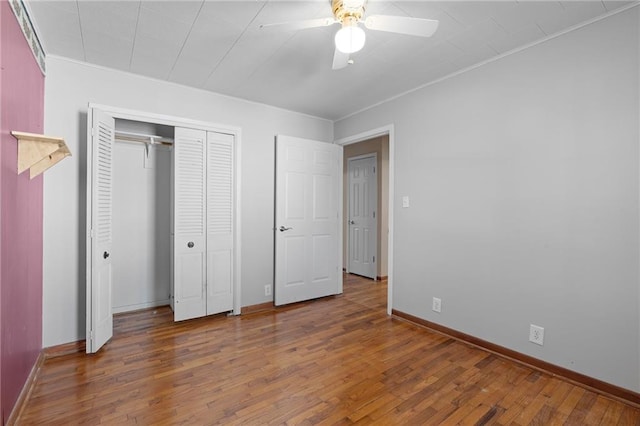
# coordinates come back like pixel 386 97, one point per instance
pixel 142 217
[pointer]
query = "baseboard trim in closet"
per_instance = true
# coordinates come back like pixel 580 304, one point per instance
pixel 382 278
pixel 141 307
pixel 140 310
pixel 607 389
pixel 260 307
pixel 25 393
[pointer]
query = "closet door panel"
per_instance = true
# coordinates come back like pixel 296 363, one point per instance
pixel 189 224
pixel 219 284
pixel 190 272
pixel 99 305
pixel 220 202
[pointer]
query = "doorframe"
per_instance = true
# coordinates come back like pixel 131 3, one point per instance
pixel 373 155
pixel 363 136
pixel 148 117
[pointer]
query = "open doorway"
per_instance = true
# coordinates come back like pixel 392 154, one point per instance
pixel 386 132
pixel 366 207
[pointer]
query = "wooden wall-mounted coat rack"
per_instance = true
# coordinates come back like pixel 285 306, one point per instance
pixel 38 152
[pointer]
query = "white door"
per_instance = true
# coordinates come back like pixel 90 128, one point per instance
pixel 307 219
pixel 220 232
pixel 99 229
pixel 189 240
pixel 363 201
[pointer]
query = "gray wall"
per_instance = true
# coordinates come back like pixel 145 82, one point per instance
pixel 70 86
pixel 141 226
pixel 523 177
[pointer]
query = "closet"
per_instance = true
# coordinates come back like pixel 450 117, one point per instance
pixel 141 215
pixel 161 217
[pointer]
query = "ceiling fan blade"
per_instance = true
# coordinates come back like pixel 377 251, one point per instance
pixel 402 25
pixel 340 59
pixel 300 25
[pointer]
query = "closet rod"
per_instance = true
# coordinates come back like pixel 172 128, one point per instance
pixel 143 138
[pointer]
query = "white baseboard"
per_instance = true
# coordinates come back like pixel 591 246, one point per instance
pixel 138 306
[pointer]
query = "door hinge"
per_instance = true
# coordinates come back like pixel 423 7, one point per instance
pixel 374 170
pixel 374 214
pixel 92 233
pixel 374 259
pixel 91 335
pixel 93 131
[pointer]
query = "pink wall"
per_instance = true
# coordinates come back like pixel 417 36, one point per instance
pixel 22 108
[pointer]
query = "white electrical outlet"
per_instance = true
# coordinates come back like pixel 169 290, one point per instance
pixel 536 334
pixel 267 290
pixel 437 305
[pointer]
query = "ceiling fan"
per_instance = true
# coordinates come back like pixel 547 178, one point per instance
pixel 350 38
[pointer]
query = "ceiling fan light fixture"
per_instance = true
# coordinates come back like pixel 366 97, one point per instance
pixel 350 39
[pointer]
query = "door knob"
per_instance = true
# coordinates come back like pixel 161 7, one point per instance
pixel 190 244
pixel 351 222
pixel 105 254
pixel 282 229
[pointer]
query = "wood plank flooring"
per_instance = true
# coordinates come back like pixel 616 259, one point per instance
pixel 337 360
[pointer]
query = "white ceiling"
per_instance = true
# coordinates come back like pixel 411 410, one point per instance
pixel 218 45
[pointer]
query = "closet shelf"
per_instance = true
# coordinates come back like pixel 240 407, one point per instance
pixel 38 152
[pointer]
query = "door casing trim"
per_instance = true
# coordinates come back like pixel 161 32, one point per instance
pixel 369 134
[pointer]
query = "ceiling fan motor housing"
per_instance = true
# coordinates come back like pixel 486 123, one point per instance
pixel 350 11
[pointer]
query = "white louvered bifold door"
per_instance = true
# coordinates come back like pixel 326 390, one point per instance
pixel 220 202
pixel 100 317
pixel 189 224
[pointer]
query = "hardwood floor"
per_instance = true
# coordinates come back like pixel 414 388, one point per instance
pixel 337 360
